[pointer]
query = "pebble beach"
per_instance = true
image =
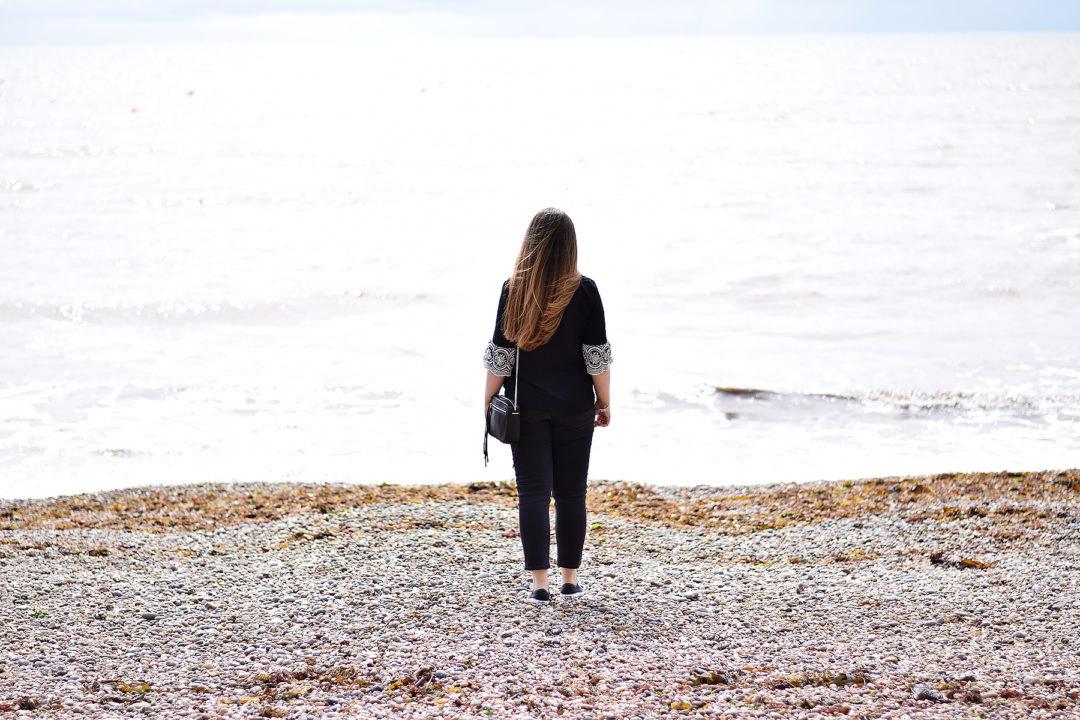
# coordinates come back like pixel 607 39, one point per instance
pixel 950 596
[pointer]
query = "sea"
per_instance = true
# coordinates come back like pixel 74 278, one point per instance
pixel 821 257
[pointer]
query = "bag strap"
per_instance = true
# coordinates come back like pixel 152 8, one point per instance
pixel 517 375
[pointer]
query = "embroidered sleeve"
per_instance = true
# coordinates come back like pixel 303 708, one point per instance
pixel 499 360
pixel 597 358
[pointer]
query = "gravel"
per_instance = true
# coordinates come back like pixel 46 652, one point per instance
pixel 415 610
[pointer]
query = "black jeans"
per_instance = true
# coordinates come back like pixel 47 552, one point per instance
pixel 551 458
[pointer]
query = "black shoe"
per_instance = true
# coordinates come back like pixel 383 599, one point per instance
pixel 539 597
pixel 572 590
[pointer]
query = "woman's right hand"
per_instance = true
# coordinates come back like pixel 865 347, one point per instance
pixel 603 419
pixel 602 383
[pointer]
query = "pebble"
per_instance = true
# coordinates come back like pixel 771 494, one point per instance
pixel 256 611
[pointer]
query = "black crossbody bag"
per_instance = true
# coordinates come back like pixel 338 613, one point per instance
pixel 503 415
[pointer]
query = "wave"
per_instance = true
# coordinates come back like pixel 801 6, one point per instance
pixel 910 402
pixel 229 311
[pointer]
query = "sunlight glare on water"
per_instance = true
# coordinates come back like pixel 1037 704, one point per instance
pixel 266 263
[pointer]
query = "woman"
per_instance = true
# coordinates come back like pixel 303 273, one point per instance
pixel 553 316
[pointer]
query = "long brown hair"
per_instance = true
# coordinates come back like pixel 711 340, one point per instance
pixel 545 279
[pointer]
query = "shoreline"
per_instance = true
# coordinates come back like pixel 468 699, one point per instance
pixel 726 509
pixel 954 595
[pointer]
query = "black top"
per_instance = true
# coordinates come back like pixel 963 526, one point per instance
pixel 556 375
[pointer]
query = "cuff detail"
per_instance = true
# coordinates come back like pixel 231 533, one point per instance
pixel 597 358
pixel 498 360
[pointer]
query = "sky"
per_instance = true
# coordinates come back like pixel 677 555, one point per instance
pixel 122 21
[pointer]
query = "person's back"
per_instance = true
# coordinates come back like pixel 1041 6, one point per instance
pixel 558 373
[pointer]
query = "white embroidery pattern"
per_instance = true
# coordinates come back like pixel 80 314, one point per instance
pixel 499 360
pixel 597 358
